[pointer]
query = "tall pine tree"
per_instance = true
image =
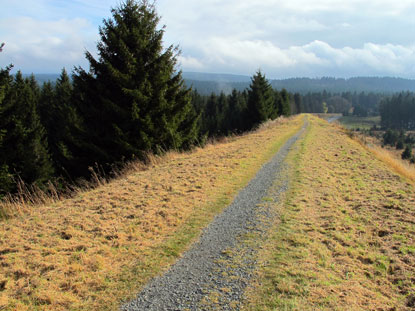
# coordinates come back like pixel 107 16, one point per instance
pixel 260 100
pixel 58 115
pixel 24 148
pixel 283 103
pixel 133 100
pixel 236 114
pixel 6 180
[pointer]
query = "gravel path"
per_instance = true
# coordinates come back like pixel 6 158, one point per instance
pixel 214 273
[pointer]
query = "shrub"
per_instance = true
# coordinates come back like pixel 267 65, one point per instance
pixel 407 153
pixel 399 145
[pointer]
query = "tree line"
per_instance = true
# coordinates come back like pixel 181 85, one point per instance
pixel 397 118
pixel 131 102
pixel 398 111
pixel 358 104
pixel 208 83
pixel 241 111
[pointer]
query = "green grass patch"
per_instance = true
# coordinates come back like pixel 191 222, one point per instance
pixel 362 123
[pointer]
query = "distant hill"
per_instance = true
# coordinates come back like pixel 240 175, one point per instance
pixel 44 77
pixel 385 85
pixel 217 77
pixel 206 83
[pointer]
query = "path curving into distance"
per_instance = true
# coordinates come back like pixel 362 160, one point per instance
pixel 214 272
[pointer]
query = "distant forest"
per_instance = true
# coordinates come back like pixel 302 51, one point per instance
pixel 398 112
pixel 206 84
pixel 217 83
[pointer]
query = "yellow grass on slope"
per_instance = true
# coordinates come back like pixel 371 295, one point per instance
pixel 92 251
pixel 400 166
pixel 346 236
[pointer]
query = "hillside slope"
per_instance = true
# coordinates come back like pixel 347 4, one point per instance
pixel 346 236
pixel 344 240
pixel 92 251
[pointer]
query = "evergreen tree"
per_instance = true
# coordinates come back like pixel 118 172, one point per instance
pixel 390 137
pixel 284 107
pixel 298 103
pixel 407 153
pixel 260 100
pixel 24 148
pixel 59 118
pixel 133 100
pixel 210 119
pixel 237 112
pixel 5 177
pixel 199 104
pixel 223 127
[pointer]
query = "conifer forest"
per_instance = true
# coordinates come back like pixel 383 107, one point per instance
pixel 131 102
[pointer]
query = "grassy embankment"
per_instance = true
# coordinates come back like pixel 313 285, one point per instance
pixel 374 144
pixel 346 236
pixel 93 251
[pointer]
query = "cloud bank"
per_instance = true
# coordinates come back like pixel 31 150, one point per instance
pixel 52 46
pixel 284 38
pixel 314 59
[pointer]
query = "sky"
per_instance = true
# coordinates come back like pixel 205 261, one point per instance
pixel 283 38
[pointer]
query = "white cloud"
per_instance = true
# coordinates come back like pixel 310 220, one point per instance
pixel 190 62
pixel 284 38
pixel 296 37
pixel 317 58
pixel 44 46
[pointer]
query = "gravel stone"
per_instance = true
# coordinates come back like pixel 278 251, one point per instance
pixel 214 273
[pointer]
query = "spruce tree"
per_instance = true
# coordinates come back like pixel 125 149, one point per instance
pixel 407 153
pixel 58 116
pixel 260 100
pixel 24 148
pixel 284 108
pixel 210 116
pixel 221 116
pixel 236 115
pixel 298 103
pixel 133 100
pixel 6 180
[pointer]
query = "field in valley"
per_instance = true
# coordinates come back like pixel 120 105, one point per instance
pixel 361 123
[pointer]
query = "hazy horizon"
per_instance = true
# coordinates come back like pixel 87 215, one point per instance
pixel 233 74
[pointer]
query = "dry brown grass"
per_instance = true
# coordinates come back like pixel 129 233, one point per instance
pixel 29 197
pixel 390 156
pixel 98 248
pixel 346 236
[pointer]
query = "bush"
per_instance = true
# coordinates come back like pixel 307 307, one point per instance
pixel 407 153
pixel 409 139
pixel 399 145
pixel 390 137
